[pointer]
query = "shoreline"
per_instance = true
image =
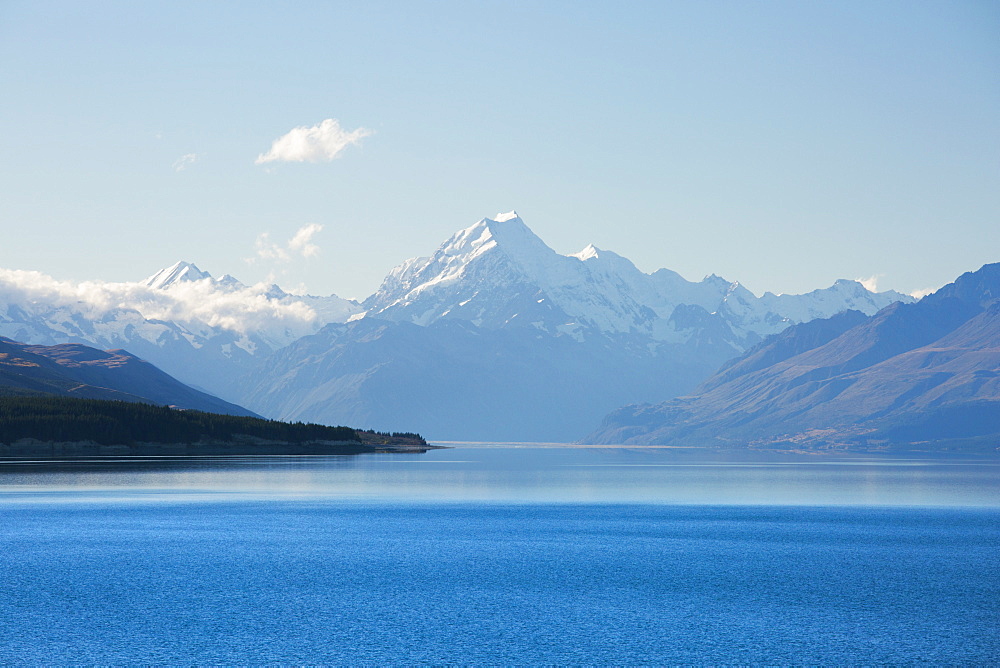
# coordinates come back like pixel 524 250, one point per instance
pixel 35 449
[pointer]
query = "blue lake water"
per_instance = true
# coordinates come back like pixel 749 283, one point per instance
pixel 502 555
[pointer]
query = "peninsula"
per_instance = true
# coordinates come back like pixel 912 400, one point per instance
pixel 52 426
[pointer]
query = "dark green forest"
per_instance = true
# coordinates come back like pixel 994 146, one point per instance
pixel 49 418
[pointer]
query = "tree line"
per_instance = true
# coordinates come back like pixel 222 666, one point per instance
pixel 62 419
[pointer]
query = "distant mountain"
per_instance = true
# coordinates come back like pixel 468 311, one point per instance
pixel 498 337
pixel 75 370
pixel 494 336
pixel 923 375
pixel 497 273
pixel 181 271
pixel 204 331
pixel 458 381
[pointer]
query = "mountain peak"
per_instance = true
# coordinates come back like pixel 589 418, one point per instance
pixel 179 271
pixel 507 230
pixel 590 251
pixel 975 287
pixel 230 281
pixel 504 217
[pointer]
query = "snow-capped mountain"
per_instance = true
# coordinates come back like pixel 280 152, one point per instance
pixel 497 273
pixel 181 271
pixel 271 313
pixel 204 331
pixel 497 336
pixel 922 376
pixel 493 336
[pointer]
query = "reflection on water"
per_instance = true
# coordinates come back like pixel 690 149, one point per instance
pixel 521 473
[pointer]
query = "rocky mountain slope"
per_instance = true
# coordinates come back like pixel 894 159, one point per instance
pixel 923 375
pixel 79 371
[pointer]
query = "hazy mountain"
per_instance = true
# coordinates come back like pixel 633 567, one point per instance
pixel 80 371
pixel 497 336
pixel 459 381
pixel 913 375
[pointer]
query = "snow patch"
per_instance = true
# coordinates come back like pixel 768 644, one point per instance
pixel 179 271
pixel 591 251
pixel 504 217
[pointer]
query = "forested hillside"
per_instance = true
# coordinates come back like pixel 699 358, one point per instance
pixel 35 424
pixel 124 422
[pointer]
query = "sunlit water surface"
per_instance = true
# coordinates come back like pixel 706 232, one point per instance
pixel 502 554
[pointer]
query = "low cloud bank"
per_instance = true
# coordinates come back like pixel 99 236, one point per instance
pixel 239 310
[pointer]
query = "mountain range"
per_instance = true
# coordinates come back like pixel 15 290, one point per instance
pixel 911 376
pixel 205 332
pixel 494 336
pixel 497 337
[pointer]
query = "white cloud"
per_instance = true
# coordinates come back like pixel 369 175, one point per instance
pixel 242 310
pixel 268 250
pixel 302 241
pixel 299 245
pixel 871 283
pixel 322 142
pixel 185 161
pixel 920 294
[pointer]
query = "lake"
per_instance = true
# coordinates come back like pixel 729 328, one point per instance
pixel 502 553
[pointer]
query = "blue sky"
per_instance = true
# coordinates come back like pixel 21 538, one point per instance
pixel 780 144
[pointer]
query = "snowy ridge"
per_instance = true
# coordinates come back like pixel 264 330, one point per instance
pixel 181 271
pixel 262 309
pixel 594 289
pixel 199 329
